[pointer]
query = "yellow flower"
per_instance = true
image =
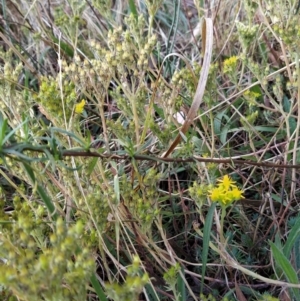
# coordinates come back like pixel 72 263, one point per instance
pixel 79 107
pixel 251 96
pixel 230 64
pixel 235 194
pixel 226 191
pixel 217 194
pixel 226 182
pixel 231 60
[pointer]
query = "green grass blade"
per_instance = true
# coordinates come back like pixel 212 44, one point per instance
pixel 174 27
pixel 4 137
pixel 64 47
pixel 284 264
pixel 206 240
pixel 91 166
pixel 151 293
pixel 70 134
pixel 29 172
pixel 181 286
pixel 3 129
pixel 97 287
pixel 42 193
pixel 293 235
pixel 297 254
pixel 117 188
pixel 132 8
pixel 172 32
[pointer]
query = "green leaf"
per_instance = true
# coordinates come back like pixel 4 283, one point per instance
pixel 297 254
pixel 257 89
pixel 25 128
pixel 98 288
pixel 181 286
pixel 133 9
pixel 91 165
pixel 151 292
pixel 64 47
pixel 117 187
pixel 218 121
pixel 159 111
pixel 46 199
pixel 42 193
pixel 284 264
pixel 172 33
pixel 224 133
pixel 70 134
pixel 3 129
pixel 29 172
pixel 293 236
pixel 206 240
pixel 287 108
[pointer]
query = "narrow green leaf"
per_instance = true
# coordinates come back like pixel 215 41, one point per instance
pixel 46 199
pixel 206 239
pixel 3 128
pixel 98 288
pixel 91 165
pixel 284 264
pixel 132 8
pixel 19 156
pixel 181 286
pixel 70 134
pixel 12 132
pixel 64 47
pixel 25 128
pixel 151 292
pixel 224 134
pixel 117 187
pixel 293 235
pixel 42 193
pixel 278 242
pixel 218 121
pixel 29 172
pixel 172 34
pixel 159 111
pixel 297 254
pixel 174 27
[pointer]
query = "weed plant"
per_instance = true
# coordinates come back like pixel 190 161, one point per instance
pixel 109 191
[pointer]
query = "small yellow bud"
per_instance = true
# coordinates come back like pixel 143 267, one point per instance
pixel 79 107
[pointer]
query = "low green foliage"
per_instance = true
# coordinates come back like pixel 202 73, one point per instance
pixel 34 268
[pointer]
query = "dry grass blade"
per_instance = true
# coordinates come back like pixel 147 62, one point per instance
pixel 239 293
pixel 207 48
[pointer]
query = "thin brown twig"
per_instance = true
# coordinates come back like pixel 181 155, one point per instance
pixel 231 161
pixel 88 153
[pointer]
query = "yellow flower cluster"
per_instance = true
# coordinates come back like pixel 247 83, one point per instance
pixel 230 64
pixel 226 192
pixel 251 96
